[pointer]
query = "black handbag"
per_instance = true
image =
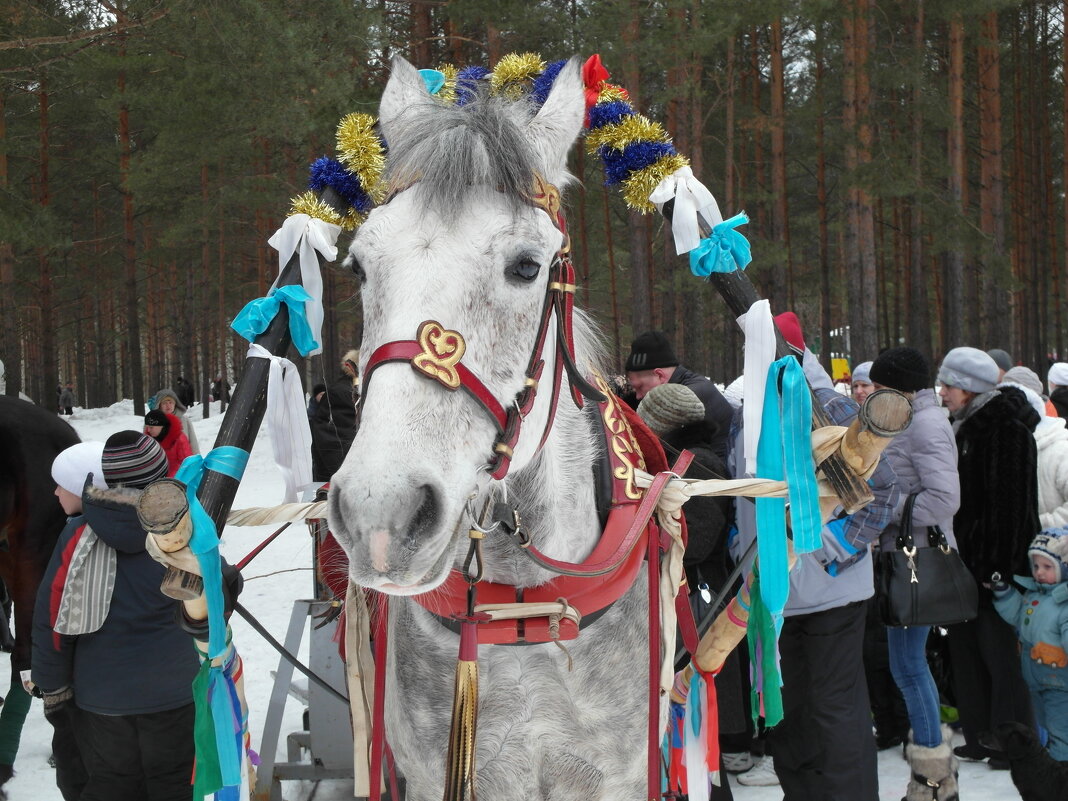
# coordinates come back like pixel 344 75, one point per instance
pixel 925 585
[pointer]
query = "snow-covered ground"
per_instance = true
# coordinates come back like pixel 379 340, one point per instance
pixel 282 574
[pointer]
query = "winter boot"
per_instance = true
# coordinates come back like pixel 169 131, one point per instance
pixel 934 771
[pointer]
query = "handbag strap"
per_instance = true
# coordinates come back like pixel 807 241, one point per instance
pixel 936 538
pixel 904 539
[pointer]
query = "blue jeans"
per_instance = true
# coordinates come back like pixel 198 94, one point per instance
pixel 908 664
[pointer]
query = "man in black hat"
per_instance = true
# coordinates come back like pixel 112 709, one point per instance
pixel 652 362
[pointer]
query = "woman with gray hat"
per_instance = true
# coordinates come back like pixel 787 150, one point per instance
pixel 997 519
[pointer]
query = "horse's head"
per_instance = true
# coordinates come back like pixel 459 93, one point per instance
pixel 459 242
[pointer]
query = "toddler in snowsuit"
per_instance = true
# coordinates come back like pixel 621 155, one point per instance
pixel 1040 616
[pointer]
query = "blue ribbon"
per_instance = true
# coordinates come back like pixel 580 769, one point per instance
pixel 204 541
pixel 257 315
pixel 723 251
pixel 693 701
pixel 805 516
pixel 784 453
pixel 433 79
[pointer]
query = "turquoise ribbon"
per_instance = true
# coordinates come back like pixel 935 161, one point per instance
pixel 258 314
pixel 204 542
pixel 771 512
pixel 805 517
pixel 433 79
pixel 723 251
pixel 784 453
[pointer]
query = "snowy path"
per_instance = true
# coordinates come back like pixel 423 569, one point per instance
pixel 281 574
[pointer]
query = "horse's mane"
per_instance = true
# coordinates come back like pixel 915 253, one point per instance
pixel 450 148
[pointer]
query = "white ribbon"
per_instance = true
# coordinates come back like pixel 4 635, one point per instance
pixel 691 199
pixel 759 331
pixel 287 422
pixel 310 235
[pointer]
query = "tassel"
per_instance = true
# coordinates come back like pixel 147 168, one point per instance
pixel 460 765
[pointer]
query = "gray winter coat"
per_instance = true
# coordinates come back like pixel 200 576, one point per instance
pixel 924 457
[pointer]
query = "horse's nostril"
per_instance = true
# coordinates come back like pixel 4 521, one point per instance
pixel 425 516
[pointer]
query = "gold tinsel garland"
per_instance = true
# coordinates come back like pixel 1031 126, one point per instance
pixel 447 92
pixel 513 72
pixel 636 128
pixel 641 183
pixel 360 149
pixel 308 203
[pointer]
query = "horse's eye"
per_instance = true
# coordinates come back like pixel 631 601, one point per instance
pixel 525 269
pixel 352 264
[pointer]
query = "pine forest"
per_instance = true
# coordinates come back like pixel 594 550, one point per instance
pixel 903 165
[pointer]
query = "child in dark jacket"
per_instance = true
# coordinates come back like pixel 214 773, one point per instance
pixel 119 657
pixel 1040 616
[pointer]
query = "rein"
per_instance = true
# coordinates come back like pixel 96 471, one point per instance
pixel 436 352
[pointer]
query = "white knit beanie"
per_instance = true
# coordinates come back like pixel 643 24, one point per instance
pixel 969 369
pixel 669 406
pixel 1058 374
pixel 71 466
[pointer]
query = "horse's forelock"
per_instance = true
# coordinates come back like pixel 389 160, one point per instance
pixel 449 149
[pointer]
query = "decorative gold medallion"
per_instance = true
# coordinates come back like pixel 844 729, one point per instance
pixel 442 351
pixel 545 195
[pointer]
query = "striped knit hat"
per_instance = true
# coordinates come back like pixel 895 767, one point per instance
pixel 132 459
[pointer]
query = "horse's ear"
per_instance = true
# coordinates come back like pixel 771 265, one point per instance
pixel 559 121
pixel 404 93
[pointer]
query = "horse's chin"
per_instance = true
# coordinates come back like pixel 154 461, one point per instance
pixel 433 578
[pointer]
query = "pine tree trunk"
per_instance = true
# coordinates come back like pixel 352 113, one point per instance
pixel 10 351
pixel 864 338
pixel 47 367
pixel 919 331
pixel 997 311
pixel 780 231
pixel 952 334
pixel 129 251
pixel 821 210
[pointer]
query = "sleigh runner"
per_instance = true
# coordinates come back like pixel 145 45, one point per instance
pixel 481 497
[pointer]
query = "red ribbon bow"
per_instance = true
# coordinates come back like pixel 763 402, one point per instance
pixel 594 76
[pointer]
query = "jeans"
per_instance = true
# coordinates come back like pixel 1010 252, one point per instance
pixel 908 663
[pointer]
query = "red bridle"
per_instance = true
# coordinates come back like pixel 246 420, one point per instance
pixel 436 352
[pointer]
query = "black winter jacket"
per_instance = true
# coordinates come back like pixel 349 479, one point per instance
pixel 140 661
pixel 998 515
pixel 333 428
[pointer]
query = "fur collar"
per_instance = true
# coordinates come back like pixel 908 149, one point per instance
pixel 112 497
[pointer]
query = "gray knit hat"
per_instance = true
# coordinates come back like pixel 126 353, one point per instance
pixel 1001 358
pixel 862 373
pixel 670 406
pixel 969 369
pixel 1025 377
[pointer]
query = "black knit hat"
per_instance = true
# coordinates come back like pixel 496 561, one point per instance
pixel 903 369
pixel 649 351
pixel 132 459
pixel 157 417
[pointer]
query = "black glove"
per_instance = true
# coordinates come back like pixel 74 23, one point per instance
pixel 57 701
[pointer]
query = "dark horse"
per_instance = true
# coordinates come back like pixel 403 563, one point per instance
pixel 31 518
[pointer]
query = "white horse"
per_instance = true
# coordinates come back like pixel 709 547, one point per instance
pixel 459 242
